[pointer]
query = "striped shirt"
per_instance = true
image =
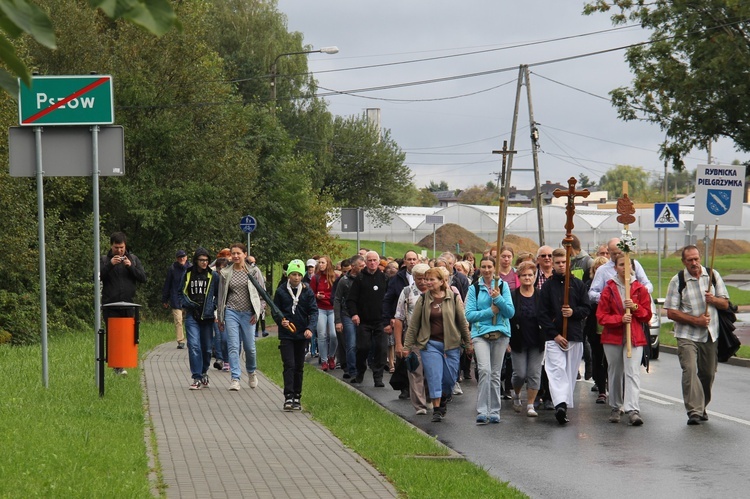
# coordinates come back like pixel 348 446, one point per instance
pixel 692 301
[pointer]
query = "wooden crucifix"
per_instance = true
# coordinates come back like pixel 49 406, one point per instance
pixel 570 210
pixel 625 212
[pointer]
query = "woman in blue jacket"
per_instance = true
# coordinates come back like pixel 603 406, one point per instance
pixel 488 310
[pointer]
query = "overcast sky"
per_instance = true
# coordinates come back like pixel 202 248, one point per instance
pixel 449 129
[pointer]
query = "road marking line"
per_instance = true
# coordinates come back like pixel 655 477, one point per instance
pixel 679 401
pixel 654 399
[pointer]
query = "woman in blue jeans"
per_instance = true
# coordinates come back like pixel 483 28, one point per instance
pixel 439 328
pixel 238 310
pixel 488 309
pixel 321 284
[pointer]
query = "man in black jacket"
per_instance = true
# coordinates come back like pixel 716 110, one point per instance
pixel 171 295
pixel 562 354
pixel 365 304
pixel 120 271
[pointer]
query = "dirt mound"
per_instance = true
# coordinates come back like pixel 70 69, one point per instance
pixel 448 235
pixel 723 247
pixel 520 244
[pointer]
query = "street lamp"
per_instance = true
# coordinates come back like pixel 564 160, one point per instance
pixel 324 50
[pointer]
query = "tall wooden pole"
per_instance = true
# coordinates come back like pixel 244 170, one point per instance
pixel 625 212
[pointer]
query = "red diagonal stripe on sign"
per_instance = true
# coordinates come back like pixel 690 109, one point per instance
pixel 62 102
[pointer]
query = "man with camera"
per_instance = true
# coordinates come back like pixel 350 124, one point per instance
pixel 120 271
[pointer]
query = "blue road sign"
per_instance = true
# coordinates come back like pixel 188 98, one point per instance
pixel 666 215
pixel 248 224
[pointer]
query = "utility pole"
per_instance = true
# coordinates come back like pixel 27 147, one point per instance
pixel 534 149
pixel 503 211
pixel 523 75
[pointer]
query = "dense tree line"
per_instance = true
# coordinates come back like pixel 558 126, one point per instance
pixel 204 146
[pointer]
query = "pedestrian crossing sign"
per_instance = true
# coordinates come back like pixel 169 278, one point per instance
pixel 666 215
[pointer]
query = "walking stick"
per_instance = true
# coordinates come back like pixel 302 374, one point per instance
pixel 570 210
pixel 500 212
pixel 625 210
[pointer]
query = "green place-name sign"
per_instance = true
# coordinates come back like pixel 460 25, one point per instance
pixel 66 100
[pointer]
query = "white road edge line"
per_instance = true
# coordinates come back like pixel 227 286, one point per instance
pixel 679 401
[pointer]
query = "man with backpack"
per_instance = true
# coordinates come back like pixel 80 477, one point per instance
pixel 693 297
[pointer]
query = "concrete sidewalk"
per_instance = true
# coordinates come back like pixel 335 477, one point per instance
pixel 217 443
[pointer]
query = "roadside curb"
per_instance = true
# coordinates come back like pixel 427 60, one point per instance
pixel 734 361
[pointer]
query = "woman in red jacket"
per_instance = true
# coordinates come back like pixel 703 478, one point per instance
pixel 322 283
pixel 613 313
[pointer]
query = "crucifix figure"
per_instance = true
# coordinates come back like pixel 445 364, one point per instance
pixel 570 210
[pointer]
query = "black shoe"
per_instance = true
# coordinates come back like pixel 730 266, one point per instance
pixel 288 405
pixel 219 365
pixel 404 394
pixel 181 345
pixel 296 405
pixel 379 383
pixel 265 333
pixel 356 380
pixel 437 416
pixel 506 397
pixel 694 420
pixel 204 379
pixel 347 375
pixel 704 416
pixel 561 413
pixel 467 375
pixel 594 388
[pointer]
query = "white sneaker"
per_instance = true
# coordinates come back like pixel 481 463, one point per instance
pixel 234 385
pixel 530 412
pixel 120 371
pixel 252 380
pixel 421 412
pixel 457 389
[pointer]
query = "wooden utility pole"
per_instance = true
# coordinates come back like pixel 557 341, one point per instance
pixel 523 75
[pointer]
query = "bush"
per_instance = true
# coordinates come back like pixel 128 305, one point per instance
pixel 19 316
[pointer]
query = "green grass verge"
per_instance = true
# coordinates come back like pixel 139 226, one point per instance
pixel 392 446
pixel 666 337
pixel 66 441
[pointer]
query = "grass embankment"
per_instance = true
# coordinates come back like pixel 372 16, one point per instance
pixel 66 441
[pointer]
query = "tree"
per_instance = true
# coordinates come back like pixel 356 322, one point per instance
pixel 439 187
pixel 691 77
pixel 363 169
pixel 22 16
pixel 584 182
pixel 478 194
pixel 636 178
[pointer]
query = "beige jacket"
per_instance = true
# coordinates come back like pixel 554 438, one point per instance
pixel 226 275
pixel 455 327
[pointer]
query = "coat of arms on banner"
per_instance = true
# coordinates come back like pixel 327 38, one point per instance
pixel 718 201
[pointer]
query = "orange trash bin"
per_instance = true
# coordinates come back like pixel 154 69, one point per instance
pixel 122 334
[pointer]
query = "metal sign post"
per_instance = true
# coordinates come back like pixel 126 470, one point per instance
pixel 435 220
pixel 66 100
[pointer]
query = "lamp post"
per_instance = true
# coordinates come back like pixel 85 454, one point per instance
pixel 324 50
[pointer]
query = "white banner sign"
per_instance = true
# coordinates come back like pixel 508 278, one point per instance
pixel 718 194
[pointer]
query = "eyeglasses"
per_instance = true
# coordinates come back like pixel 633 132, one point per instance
pixel 546 256
pixel 203 260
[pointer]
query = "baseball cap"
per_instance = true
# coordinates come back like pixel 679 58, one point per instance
pixel 180 254
pixel 312 262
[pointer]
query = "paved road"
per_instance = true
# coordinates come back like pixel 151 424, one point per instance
pixel 591 457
